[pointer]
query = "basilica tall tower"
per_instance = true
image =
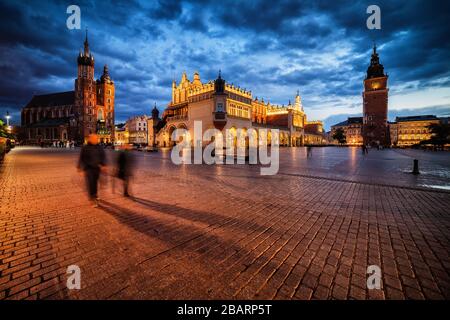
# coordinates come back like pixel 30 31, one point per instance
pixel 85 92
pixel 375 103
pixel 94 99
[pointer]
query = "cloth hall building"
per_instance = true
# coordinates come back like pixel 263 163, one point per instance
pixel 218 104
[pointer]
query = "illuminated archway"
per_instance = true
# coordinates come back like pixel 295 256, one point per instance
pixel 254 141
pixel 242 140
pixel 185 135
pixel 233 136
pixel 269 138
pixel 170 131
pixel 284 139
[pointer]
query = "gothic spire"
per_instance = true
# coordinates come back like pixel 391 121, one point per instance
pixel 374 59
pixel 86 44
pixel 219 84
pixel 375 68
pixel 86 58
pixel 298 101
pixel 155 112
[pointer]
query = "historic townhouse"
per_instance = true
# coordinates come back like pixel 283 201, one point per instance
pixel 408 131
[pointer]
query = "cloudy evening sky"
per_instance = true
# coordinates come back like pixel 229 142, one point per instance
pixel 272 48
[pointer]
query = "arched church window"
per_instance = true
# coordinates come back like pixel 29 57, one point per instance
pixel 100 115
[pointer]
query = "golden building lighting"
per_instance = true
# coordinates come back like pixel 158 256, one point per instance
pixel 218 104
pixel 408 131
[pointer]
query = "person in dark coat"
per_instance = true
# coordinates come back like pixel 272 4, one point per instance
pixel 308 151
pixel 125 168
pixel 92 160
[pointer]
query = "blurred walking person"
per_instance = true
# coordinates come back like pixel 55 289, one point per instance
pixel 308 151
pixel 125 168
pixel 92 160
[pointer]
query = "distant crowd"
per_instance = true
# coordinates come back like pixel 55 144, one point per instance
pixel 61 144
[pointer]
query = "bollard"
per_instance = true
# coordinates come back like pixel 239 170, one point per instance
pixel 416 167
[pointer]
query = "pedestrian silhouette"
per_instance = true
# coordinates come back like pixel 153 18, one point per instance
pixel 91 161
pixel 308 151
pixel 125 168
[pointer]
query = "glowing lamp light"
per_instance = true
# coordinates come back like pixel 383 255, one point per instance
pixel 7 118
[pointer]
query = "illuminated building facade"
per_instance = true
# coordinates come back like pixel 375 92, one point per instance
pixel 223 106
pixel 314 133
pixel 137 129
pixel 408 131
pixel 121 134
pixel 352 128
pixel 403 132
pixel 73 115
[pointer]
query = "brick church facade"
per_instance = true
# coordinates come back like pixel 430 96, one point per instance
pixel 73 115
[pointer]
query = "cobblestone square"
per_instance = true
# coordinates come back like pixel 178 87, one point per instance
pixel 226 232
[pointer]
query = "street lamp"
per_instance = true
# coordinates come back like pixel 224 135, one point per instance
pixel 7 118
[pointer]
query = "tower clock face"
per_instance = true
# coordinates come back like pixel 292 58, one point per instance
pixel 375 85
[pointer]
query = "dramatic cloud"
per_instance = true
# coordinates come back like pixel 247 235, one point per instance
pixel 321 48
